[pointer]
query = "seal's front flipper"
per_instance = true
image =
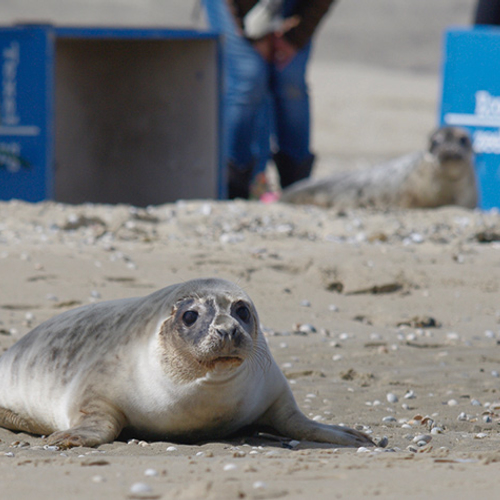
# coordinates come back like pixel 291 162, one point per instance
pixel 94 428
pixel 285 418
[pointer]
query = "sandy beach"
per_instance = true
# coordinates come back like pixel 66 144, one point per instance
pixel 399 310
pixel 403 341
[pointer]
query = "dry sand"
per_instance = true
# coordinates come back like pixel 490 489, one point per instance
pixel 403 303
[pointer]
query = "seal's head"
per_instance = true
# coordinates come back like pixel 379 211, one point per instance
pixel 213 326
pixel 452 147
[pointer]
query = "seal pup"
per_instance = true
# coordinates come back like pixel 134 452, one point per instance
pixel 442 175
pixel 186 363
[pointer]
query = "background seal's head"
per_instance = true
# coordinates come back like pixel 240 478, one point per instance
pixel 452 146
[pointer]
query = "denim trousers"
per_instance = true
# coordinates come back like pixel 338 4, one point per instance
pixel 259 97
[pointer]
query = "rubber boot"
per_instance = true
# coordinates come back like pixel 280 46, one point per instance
pixel 290 171
pixel 238 181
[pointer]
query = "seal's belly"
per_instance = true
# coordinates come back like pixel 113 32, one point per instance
pixel 201 411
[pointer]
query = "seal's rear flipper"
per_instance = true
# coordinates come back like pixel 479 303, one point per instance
pixel 15 422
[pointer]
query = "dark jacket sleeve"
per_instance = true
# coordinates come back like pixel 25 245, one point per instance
pixel 308 12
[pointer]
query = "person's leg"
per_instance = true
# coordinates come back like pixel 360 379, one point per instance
pixel 246 83
pixel 292 114
pixel 487 12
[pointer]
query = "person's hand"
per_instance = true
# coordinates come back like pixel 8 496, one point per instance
pixel 283 51
pixel 265 47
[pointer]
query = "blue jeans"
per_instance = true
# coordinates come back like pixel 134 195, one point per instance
pixel 251 84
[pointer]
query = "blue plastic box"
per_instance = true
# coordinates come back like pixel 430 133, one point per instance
pixel 109 115
pixel 471 99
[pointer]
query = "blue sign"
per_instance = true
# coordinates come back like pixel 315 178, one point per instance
pixel 471 99
pixel 25 114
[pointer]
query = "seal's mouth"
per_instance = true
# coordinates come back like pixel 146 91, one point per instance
pixel 223 362
pixel 451 156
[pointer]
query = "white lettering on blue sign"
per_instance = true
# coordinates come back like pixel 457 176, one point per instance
pixel 10 156
pixel 486 115
pixel 486 141
pixel 486 104
pixel 11 56
pixel 486 112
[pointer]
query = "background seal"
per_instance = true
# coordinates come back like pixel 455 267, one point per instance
pixel 442 175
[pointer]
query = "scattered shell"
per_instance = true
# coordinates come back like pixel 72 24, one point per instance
pixel 463 417
pixel 20 444
pixel 363 449
pixel 382 443
pixel 305 328
pixel 259 485
pixel 151 472
pixel 140 488
pixel 389 419
pixel 409 395
pixel 51 448
pixel 437 430
pixel 427 421
pixel 230 467
pixel 480 435
pixel 171 448
pixel 425 438
pixel 392 398
pixel 305 303
pixel 452 402
pixel 98 479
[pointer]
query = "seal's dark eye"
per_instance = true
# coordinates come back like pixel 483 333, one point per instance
pixel 464 141
pixel 243 313
pixel 190 317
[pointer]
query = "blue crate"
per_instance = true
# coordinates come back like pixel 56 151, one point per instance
pixel 29 135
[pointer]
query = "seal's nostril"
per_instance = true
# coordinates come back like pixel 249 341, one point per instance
pixel 222 332
pixel 230 333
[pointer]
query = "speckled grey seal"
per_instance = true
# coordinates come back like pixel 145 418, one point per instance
pixel 443 175
pixel 186 363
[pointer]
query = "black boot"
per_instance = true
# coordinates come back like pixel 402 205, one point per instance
pixel 290 171
pixel 238 180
